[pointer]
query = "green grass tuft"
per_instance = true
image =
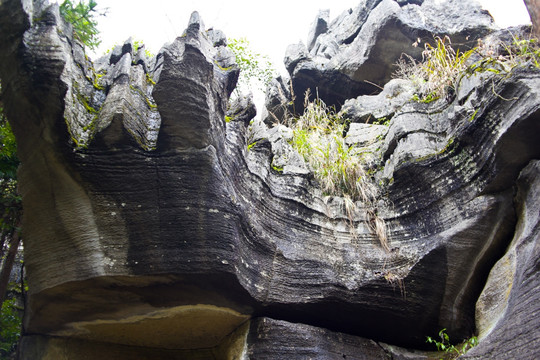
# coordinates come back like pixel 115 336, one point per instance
pixel 442 67
pixel 318 136
pixel 439 71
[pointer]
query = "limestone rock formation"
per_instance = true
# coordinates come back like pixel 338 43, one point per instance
pixel 507 314
pixel 355 54
pixel 161 222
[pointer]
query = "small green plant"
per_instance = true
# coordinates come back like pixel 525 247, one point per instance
pixel 149 79
pixel 137 44
pixel 439 71
pixel 382 121
pixel 10 327
pixel 442 67
pixel 83 18
pixel 318 136
pixel 96 80
pixel 524 50
pixel 445 346
pixel 278 169
pixel 426 99
pixel 502 58
pixel 473 116
pixel 253 66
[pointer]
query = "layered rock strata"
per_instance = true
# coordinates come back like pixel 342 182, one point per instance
pixel 157 224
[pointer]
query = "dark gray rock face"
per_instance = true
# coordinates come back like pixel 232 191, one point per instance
pixel 278 102
pixel 299 341
pixel 507 310
pixel 361 46
pixel 304 342
pixel 162 222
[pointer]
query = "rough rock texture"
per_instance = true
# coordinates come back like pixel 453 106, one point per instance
pixel 382 107
pixel 278 102
pixel 533 7
pixel 159 221
pixel 357 52
pixel 507 310
pixel 319 27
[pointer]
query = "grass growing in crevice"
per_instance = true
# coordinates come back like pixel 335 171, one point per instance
pixel 451 351
pixel 442 68
pixel 502 58
pixel 438 72
pixel 319 136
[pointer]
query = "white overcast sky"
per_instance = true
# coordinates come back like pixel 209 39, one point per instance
pixel 268 25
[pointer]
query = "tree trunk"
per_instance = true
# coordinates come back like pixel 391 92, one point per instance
pixel 3 237
pixel 8 264
pixel 533 7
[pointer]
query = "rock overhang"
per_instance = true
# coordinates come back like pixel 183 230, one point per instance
pixel 218 234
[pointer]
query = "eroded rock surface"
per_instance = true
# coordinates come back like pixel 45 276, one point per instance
pixel 162 221
pixel 507 312
pixel 355 54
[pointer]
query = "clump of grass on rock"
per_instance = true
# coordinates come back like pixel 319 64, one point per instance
pixel 442 67
pixel 318 135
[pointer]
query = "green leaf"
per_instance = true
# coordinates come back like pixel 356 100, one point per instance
pixel 82 17
pixel 252 65
pixel 10 326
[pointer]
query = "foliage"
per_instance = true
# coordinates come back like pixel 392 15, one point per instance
pixel 445 346
pixel 503 58
pixel 10 326
pixel 442 67
pixel 8 151
pixel 383 121
pixel 438 72
pixel 523 50
pixel 318 135
pixel 10 205
pixel 253 66
pixel 10 211
pixel 137 44
pixel 10 201
pixel 83 18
